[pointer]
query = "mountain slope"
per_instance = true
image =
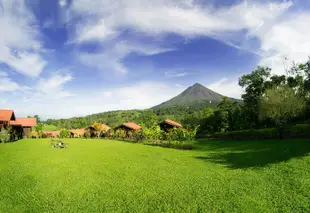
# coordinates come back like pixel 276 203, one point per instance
pixel 196 94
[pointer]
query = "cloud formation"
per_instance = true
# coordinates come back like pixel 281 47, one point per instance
pixel 20 44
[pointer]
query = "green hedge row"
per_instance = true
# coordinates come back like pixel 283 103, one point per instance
pixel 297 131
pixel 300 131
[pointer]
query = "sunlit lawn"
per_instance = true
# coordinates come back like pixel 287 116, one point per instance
pixel 113 176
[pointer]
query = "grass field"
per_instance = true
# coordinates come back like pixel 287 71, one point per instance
pixel 113 176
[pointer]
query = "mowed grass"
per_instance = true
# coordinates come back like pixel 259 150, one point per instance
pixel 112 176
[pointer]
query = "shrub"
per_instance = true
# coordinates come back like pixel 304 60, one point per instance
pixel 154 133
pixel 300 131
pixel 4 136
pixel 180 134
pixel 64 133
pixel 138 136
pixel 40 134
pixel 254 134
pixel 120 133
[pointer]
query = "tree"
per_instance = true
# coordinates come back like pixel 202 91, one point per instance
pixel 281 104
pixel 254 85
pixel 38 118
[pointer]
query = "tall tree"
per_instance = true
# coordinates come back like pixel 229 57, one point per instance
pixel 254 85
pixel 38 118
pixel 281 104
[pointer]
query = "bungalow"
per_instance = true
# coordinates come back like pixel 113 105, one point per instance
pixel 77 133
pixel 128 127
pixel 26 123
pixel 5 117
pixel 104 129
pixel 167 125
pixel 8 116
pixel 51 134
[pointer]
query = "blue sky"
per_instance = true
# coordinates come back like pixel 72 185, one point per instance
pixel 64 58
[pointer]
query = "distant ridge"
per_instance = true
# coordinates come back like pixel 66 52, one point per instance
pixel 196 94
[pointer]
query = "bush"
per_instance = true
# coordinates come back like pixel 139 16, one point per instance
pixel 40 134
pixel 300 131
pixel 64 133
pixel 138 136
pixel 180 134
pixel 297 131
pixel 252 134
pixel 4 136
pixel 154 133
pixel 120 133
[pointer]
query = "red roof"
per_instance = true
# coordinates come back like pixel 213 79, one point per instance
pixel 51 133
pixel 77 131
pixel 25 122
pixel 132 125
pixel 172 123
pixel 7 115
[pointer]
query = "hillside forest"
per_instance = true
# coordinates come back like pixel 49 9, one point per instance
pixel 268 101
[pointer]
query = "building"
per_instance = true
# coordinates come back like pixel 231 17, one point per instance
pixel 128 127
pixel 26 123
pixel 6 116
pixel 167 125
pixel 104 130
pixel 77 133
pixel 51 134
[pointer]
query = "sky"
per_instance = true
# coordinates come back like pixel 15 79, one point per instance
pixel 66 58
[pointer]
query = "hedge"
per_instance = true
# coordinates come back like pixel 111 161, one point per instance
pixel 300 131
pixel 297 131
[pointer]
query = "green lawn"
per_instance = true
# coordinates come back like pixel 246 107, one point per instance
pixel 112 176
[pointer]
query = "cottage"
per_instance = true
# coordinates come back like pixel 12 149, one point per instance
pixel 51 134
pixel 26 123
pixel 167 125
pixel 104 129
pixel 76 133
pixel 128 127
pixel 7 118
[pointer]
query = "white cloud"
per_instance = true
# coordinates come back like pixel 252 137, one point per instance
pixel 3 74
pixel 27 63
pixel 227 87
pixel 3 102
pixel 19 38
pixel 107 19
pixel 7 85
pixel 111 59
pixel 63 3
pixel 52 87
pixel 172 74
pixel 141 95
pixel 135 96
pixel 289 38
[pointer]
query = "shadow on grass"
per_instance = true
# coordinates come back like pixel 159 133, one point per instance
pixel 249 154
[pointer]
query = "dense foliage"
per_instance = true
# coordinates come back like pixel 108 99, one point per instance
pixel 4 136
